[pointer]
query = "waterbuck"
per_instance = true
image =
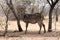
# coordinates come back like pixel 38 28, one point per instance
pixel 34 18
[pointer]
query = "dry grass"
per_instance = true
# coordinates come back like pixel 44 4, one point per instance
pixel 32 33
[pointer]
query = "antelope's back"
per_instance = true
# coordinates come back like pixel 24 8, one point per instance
pixel 33 18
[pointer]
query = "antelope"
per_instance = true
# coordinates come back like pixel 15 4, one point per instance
pixel 34 18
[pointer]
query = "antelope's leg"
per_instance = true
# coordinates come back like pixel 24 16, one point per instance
pixel 44 27
pixel 40 25
pixel 26 27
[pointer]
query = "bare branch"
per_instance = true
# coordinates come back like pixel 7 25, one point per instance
pixel 52 1
pixel 10 5
pixel 56 2
pixel 42 9
pixel 7 3
pixel 3 9
pixel 6 14
pixel 49 2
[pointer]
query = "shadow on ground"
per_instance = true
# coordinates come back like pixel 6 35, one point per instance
pixel 30 34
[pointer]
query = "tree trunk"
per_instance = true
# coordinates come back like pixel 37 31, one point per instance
pixel 56 17
pixel 19 27
pixel 6 27
pixel 10 5
pixel 56 12
pixel 52 5
pixel 50 20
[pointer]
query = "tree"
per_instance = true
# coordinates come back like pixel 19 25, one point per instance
pixel 6 12
pixel 52 4
pixel 10 5
pixel 56 12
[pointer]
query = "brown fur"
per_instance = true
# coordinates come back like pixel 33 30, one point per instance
pixel 34 18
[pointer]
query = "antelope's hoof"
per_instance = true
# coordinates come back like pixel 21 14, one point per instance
pixel 39 32
pixel 44 31
pixel 25 32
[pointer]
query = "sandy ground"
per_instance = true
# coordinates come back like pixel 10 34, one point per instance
pixel 32 33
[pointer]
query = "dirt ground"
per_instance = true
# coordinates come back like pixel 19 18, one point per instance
pixel 32 33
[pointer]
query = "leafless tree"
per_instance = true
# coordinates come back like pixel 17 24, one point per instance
pixel 52 4
pixel 10 5
pixel 6 12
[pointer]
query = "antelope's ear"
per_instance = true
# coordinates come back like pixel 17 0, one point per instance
pixel 25 16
